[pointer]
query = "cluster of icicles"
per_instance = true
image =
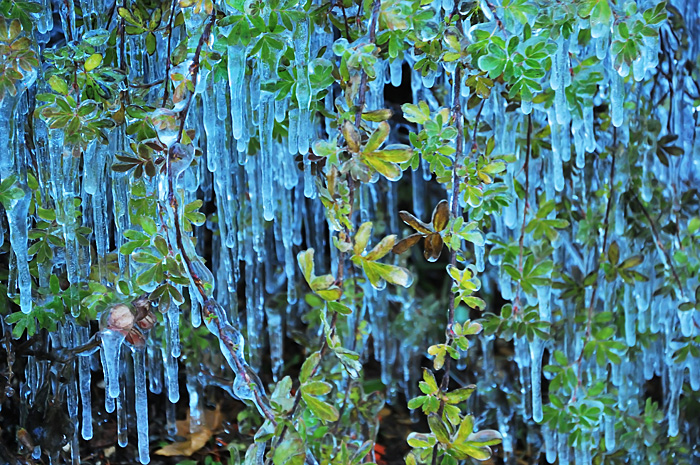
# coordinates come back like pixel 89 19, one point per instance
pixel 264 203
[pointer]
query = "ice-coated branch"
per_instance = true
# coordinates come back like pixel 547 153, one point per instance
pixel 454 212
pixel 210 308
pixel 194 70
pixel 660 245
pixel 591 304
pixel 169 32
pixel 362 95
pixel 526 168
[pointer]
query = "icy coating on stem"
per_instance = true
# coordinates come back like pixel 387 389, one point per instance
pixel 241 140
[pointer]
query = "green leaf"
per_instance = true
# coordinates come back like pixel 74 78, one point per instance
pixel 306 264
pixel 389 273
pixel 416 113
pixel 631 262
pixel 430 381
pixel 377 115
pixel 439 429
pixel 150 43
pixel 465 429
pixel 461 394
pixel 377 138
pixel 58 85
pixel 309 365
pixel 291 451
pixel 613 253
pixel 322 410
pixel 382 249
pixel 389 170
pixel 362 237
pixel 487 437
pixel 93 61
pixel 316 388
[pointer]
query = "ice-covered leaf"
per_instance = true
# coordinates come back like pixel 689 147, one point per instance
pixel 381 249
pixel 433 247
pixel 406 243
pixel 362 237
pixel 414 222
pixel 441 215
pixel 352 137
pixel 322 410
pixel 377 138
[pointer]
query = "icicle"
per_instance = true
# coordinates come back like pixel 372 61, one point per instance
pixel 559 80
pixel 195 315
pixel 479 250
pixel 617 98
pixel 17 221
pixel 303 94
pixel 255 313
pixel 236 79
pixel 85 375
pixel 111 345
pixel 536 350
pixel 171 375
pixel 395 68
pixel 505 424
pixel 309 185
pixel 268 189
pixel 173 319
pixel 630 308
pixel 155 369
pixel 563 450
pixel 45 19
pixel 609 422
pixel 550 442
pixel 194 403
pixel 558 143
pixel 675 387
pixel 122 431
pixel 72 408
pixel 170 421
pixel 141 403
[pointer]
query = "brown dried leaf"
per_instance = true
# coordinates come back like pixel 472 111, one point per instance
pixel 352 137
pixel 441 215
pixel 406 243
pixel 194 441
pixel 414 222
pixel 433 247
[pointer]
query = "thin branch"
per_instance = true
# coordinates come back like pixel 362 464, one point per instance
pixel 166 78
pixel 341 256
pixel 194 71
pixel 345 20
pixel 659 244
pixel 591 303
pixel 376 4
pixel 521 240
pixel 454 213
pixel 209 309
pixel 146 85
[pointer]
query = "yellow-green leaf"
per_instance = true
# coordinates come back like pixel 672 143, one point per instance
pixel 381 249
pixel 389 170
pixel 362 237
pixel 377 138
pixel 93 61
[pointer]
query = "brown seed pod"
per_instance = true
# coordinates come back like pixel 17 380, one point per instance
pixel 147 321
pixel 135 337
pixel 118 317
